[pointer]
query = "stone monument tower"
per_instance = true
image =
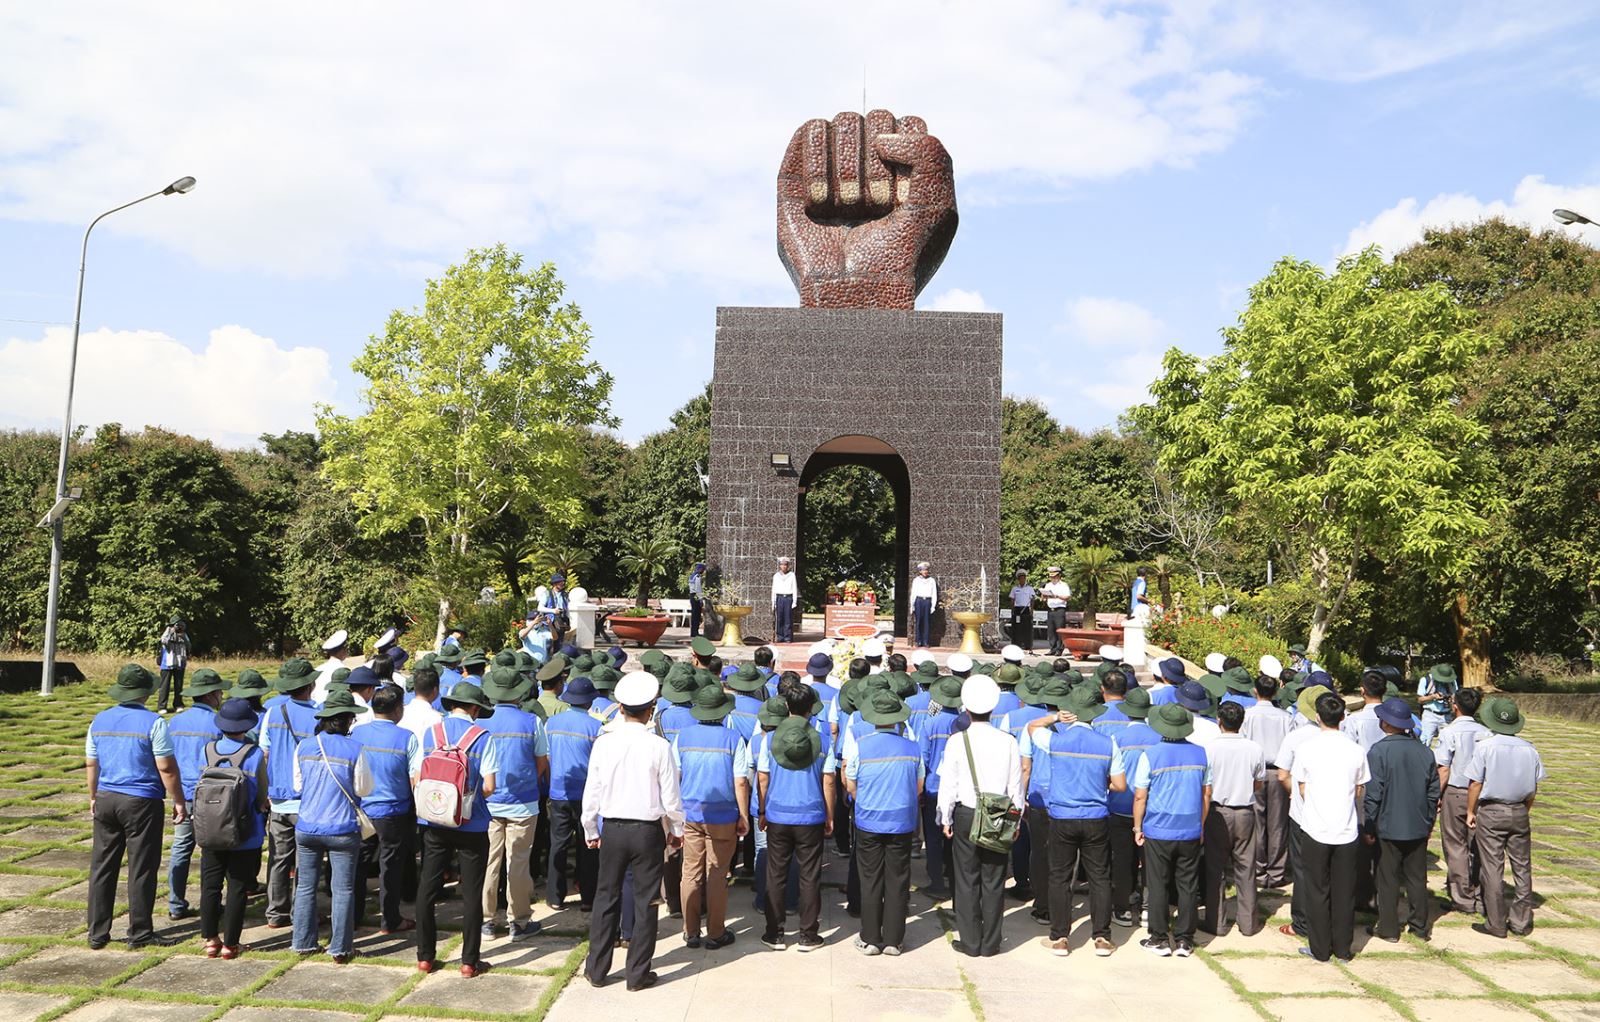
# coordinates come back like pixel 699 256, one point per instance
pixel 866 213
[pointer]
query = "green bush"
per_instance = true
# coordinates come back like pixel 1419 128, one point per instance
pixel 1199 634
pixel 1539 673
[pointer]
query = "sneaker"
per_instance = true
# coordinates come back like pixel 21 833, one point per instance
pixel 1057 947
pixel 717 943
pixel 808 942
pixel 1122 919
pixel 1042 918
pixel 892 950
pixel 522 931
pixel 868 949
pixel 773 941
pixel 691 940
pixel 1183 950
pixel 488 930
pixel 180 912
pixel 1157 946
pixel 1103 947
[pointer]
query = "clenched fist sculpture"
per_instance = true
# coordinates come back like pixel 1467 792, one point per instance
pixel 866 210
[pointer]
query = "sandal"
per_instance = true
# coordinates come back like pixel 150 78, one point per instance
pixel 231 951
pixel 213 948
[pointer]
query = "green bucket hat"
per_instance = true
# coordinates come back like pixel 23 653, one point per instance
pixel 947 691
pixel 532 705
pixel 927 671
pixel 250 683
pixel 339 676
pixel 796 744
pixel 1443 672
pixel 746 679
pixel 1136 704
pixel 855 692
pixel 583 663
pixel 525 663
pixel 1237 679
pixel 1214 686
pixel 711 704
pixel 702 646
pixel 1286 695
pixel 339 701
pixel 772 712
pixel 1054 693
pixel 506 685
pixel 1028 688
pixel 983 667
pixel 450 656
pixel 657 668
pixel 203 682
pixel 474 658
pixel 1171 721
pixel 467 694
pixel 653 656
pixel 1501 715
pixel 426 660
pixel 134 682
pixel 900 684
pixel 1007 674
pixel 1297 648
pixel 294 674
pixel 1306 701
pixel 679 685
pixel 1083 703
pixel 553 668
pixel 882 708
pixel 505 658
pixel 705 677
pixel 604 676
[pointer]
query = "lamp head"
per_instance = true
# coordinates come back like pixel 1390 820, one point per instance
pixel 1567 216
pixel 182 186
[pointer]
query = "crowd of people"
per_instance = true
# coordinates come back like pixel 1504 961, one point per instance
pixel 658 778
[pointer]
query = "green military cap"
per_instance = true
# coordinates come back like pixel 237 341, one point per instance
pixel 1028 688
pixel 1084 703
pixel 204 681
pixel 1443 672
pixel 1214 686
pixel 474 658
pixel 134 682
pixel 426 660
pixel 1501 715
pixel 1007 674
pixel 702 646
pixel 651 656
pixel 710 703
pixel 525 662
pixel 582 663
pixel 1171 721
pixel 1297 648
pixel 947 691
pixel 658 668
pixel 1055 693
pixel 553 668
pixel 900 683
pixel 926 672
pixel 505 658
pixel 295 674
pixel 340 674
pixel 450 655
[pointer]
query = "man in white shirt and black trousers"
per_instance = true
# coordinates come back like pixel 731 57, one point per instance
pixel 924 600
pixel 1330 772
pixel 1056 594
pixel 785 594
pixel 632 788
pixel 980 874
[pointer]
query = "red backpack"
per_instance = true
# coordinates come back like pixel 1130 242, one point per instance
pixel 442 795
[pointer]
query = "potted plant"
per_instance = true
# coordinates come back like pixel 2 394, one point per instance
pixel 644 557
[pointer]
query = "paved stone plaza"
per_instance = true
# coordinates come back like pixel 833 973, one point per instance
pixel 46 971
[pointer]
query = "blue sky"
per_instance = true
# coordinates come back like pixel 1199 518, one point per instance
pixel 1124 173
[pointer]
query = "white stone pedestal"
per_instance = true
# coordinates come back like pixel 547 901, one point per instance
pixel 1133 641
pixel 582 613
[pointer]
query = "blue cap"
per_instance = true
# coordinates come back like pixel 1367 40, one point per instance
pixel 727 670
pixel 398 655
pixel 1316 678
pixel 557 577
pixel 618 655
pixel 361 676
pixel 1395 712
pixel 580 692
pixel 236 717
pixel 571 652
pixel 1172 670
pixel 820 665
pixel 1193 696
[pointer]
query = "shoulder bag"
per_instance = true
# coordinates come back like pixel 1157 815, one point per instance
pixel 364 821
pixel 997 820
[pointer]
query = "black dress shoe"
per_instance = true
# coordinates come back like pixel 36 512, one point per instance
pixel 153 941
pixel 98 945
pixel 1484 928
pixel 596 983
pixel 648 981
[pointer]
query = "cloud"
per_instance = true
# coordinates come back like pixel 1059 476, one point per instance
pixel 1402 224
pixel 1107 354
pixel 240 386
pixel 1111 322
pixel 958 300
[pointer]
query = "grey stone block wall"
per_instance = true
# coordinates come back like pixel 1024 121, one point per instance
pixel 791 380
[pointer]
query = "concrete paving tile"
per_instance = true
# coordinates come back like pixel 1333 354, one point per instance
pixel 539 952
pixel 1538 976
pixel 1415 976
pixel 1285 975
pixel 42 833
pixel 249 1013
pixel 207 977
pixel 1586 907
pixel 110 1009
pixel 71 966
pixel 1465 940
pixel 315 980
pixel 894 1005
pixel 20 885
pixel 1328 1009
pixel 505 992
pixel 55 859
pixel 1584 940
pixel 670 1000
pixel 1572 1011
pixel 19 1007
pixel 1431 1009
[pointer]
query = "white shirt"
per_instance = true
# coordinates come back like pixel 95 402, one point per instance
pixel 783 584
pixel 1363 728
pixel 419 716
pixel 999 769
pixel 1331 767
pixel 1057 593
pixel 631 777
pixel 1206 731
pixel 1286 759
pixel 1022 596
pixel 319 691
pixel 925 585
pixel 1237 767
pixel 1267 726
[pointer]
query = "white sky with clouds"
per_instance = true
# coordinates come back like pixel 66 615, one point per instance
pixel 1119 168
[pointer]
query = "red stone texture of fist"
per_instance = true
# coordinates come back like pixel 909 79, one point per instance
pixel 866 210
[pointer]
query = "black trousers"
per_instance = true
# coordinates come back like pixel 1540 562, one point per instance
pixel 783 618
pixel 922 616
pixel 936 847
pixel 1022 626
pixel 395 854
pixel 1297 897
pixel 640 846
pixel 1329 874
pixel 694 616
pixel 471 850
pixel 1125 864
pixel 1075 843
pixel 124 823
pixel 1168 864
pixel 1039 858
pixel 172 676
pixel 239 867
pixel 1366 875
pixel 1402 864
pixel 1058 620
pixel 980 887
pixel 885 864
pixel 802 843
pixel 566 840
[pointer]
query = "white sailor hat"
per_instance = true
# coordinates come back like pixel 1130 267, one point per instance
pixel 1270 666
pixel 979 694
pixel 923 566
pixel 1215 662
pixel 959 663
pixel 873 647
pixel 1012 653
pixel 922 656
pixel 1053 569
pixel 785 560
pixel 637 688
pixel 386 639
pixel 334 641
pixel 1111 653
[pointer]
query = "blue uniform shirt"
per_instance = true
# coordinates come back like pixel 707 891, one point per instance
pixel 519 740
pixel 388 750
pixel 1176 775
pixel 191 731
pixel 288 724
pixel 932 739
pixel 570 735
pixel 795 796
pixel 1079 763
pixel 126 740
pixel 327 765
pixel 886 769
pixel 707 757
pixel 1131 744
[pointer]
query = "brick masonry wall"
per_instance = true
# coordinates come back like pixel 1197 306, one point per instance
pixel 790 380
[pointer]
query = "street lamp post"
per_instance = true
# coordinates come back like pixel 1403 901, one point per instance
pixel 1568 217
pixel 64 499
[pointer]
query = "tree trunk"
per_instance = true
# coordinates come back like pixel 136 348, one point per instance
pixel 444 619
pixel 1472 639
pixel 515 584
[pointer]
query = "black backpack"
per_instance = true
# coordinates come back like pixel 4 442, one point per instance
pixel 222 811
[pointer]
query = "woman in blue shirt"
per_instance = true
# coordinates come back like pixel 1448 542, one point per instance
pixel 240 864
pixel 330 769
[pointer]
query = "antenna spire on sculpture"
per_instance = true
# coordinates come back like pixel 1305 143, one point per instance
pixel 866 210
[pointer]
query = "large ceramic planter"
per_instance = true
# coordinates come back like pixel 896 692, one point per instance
pixel 971 621
pixel 644 631
pixel 733 624
pixel 1086 642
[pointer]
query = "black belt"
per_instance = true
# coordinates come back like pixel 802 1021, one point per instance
pixel 1501 802
pixel 1224 805
pixel 610 821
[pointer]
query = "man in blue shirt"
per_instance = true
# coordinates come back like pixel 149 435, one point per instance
pixel 285 725
pixel 1126 860
pixel 388 748
pixel 570 734
pixel 1171 796
pixel 1435 690
pixel 884 776
pixel 129 764
pixel 795 774
pixel 1081 769
pixel 711 759
pixel 523 753
pixel 191 731
pixel 932 737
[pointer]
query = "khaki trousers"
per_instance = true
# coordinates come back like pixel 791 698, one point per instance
pixel 1460 851
pixel 510 849
pixel 707 854
pixel 1503 834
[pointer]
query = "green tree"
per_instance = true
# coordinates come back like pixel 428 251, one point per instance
pixel 660 492
pixel 1330 421
pixel 27 489
pixel 849 533
pixel 1091 569
pixel 473 408
pixel 644 558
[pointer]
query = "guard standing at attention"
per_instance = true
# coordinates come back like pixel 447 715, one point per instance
pixel 785 594
pixel 924 601
pixel 129 764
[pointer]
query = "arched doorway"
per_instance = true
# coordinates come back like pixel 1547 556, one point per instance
pixel 864 490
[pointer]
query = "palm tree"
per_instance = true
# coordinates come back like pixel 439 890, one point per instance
pixel 646 557
pixel 560 559
pixel 1162 567
pixel 1089 569
pixel 509 555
